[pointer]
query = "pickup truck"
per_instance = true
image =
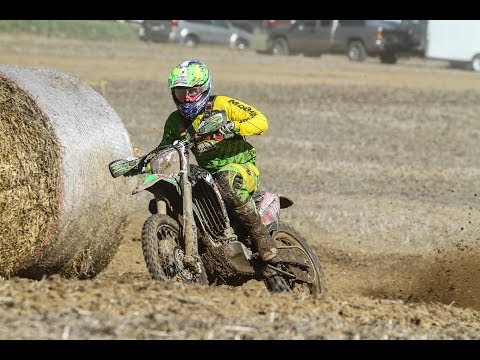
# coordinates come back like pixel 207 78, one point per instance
pixel 356 38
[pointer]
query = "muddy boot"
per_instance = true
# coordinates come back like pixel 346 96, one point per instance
pixel 261 239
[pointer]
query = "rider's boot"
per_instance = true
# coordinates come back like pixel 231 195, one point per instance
pixel 260 237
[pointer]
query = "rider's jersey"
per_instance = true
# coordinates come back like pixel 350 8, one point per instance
pixel 212 154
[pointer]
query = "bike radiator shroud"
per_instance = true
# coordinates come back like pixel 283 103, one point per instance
pixel 209 210
pixel 212 214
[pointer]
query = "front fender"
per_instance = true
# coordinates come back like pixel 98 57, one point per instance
pixel 150 180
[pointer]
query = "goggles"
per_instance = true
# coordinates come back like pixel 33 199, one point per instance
pixel 191 94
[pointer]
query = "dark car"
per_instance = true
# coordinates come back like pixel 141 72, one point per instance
pixel 355 38
pixel 155 30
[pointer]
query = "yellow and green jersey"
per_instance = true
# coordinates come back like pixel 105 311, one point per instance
pixel 212 154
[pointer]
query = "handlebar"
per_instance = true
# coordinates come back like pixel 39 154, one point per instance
pixel 210 126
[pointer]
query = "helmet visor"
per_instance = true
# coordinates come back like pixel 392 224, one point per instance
pixel 190 94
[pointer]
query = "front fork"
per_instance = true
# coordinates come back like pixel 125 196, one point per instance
pixel 192 259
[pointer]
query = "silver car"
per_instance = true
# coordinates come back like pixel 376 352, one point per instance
pixel 223 32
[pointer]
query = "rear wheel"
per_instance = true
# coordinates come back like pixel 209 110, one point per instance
pixel 286 236
pixel 163 251
pixel 280 47
pixel 191 41
pixel 388 58
pixel 241 44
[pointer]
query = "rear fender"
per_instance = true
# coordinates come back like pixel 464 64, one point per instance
pixel 269 209
pixel 285 202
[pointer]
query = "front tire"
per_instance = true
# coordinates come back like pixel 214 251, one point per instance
pixel 163 251
pixel 476 63
pixel 286 235
pixel 191 41
pixel 356 51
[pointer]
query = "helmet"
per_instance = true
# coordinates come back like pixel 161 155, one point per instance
pixel 190 73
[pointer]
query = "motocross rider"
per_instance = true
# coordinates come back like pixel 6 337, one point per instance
pixel 231 160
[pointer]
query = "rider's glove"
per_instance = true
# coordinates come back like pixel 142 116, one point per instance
pixel 227 130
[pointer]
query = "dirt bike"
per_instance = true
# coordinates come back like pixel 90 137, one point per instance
pixel 190 236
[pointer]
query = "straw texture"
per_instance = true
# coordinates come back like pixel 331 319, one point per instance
pixel 60 210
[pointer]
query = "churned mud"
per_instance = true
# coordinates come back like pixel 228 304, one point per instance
pixel 382 162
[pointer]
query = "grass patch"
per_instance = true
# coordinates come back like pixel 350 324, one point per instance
pixel 101 30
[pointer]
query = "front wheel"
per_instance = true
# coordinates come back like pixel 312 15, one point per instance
pixel 356 51
pixel 191 41
pixel 286 236
pixel 476 63
pixel 163 251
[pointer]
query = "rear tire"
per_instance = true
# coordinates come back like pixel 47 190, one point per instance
pixel 163 251
pixel 191 41
pixel 388 58
pixel 242 44
pixel 280 47
pixel 286 235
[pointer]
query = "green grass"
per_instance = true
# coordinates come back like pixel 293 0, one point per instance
pixel 101 30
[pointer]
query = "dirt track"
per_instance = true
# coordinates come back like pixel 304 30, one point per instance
pixel 381 161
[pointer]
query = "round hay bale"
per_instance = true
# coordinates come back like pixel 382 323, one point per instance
pixel 61 212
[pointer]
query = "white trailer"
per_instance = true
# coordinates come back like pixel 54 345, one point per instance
pixel 457 41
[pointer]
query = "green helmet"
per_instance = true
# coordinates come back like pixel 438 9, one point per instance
pixel 188 74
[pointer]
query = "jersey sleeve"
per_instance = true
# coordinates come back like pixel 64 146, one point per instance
pixel 247 119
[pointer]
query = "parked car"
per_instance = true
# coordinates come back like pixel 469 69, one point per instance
pixel 194 32
pixel 355 38
pixel 251 25
pixel 155 30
